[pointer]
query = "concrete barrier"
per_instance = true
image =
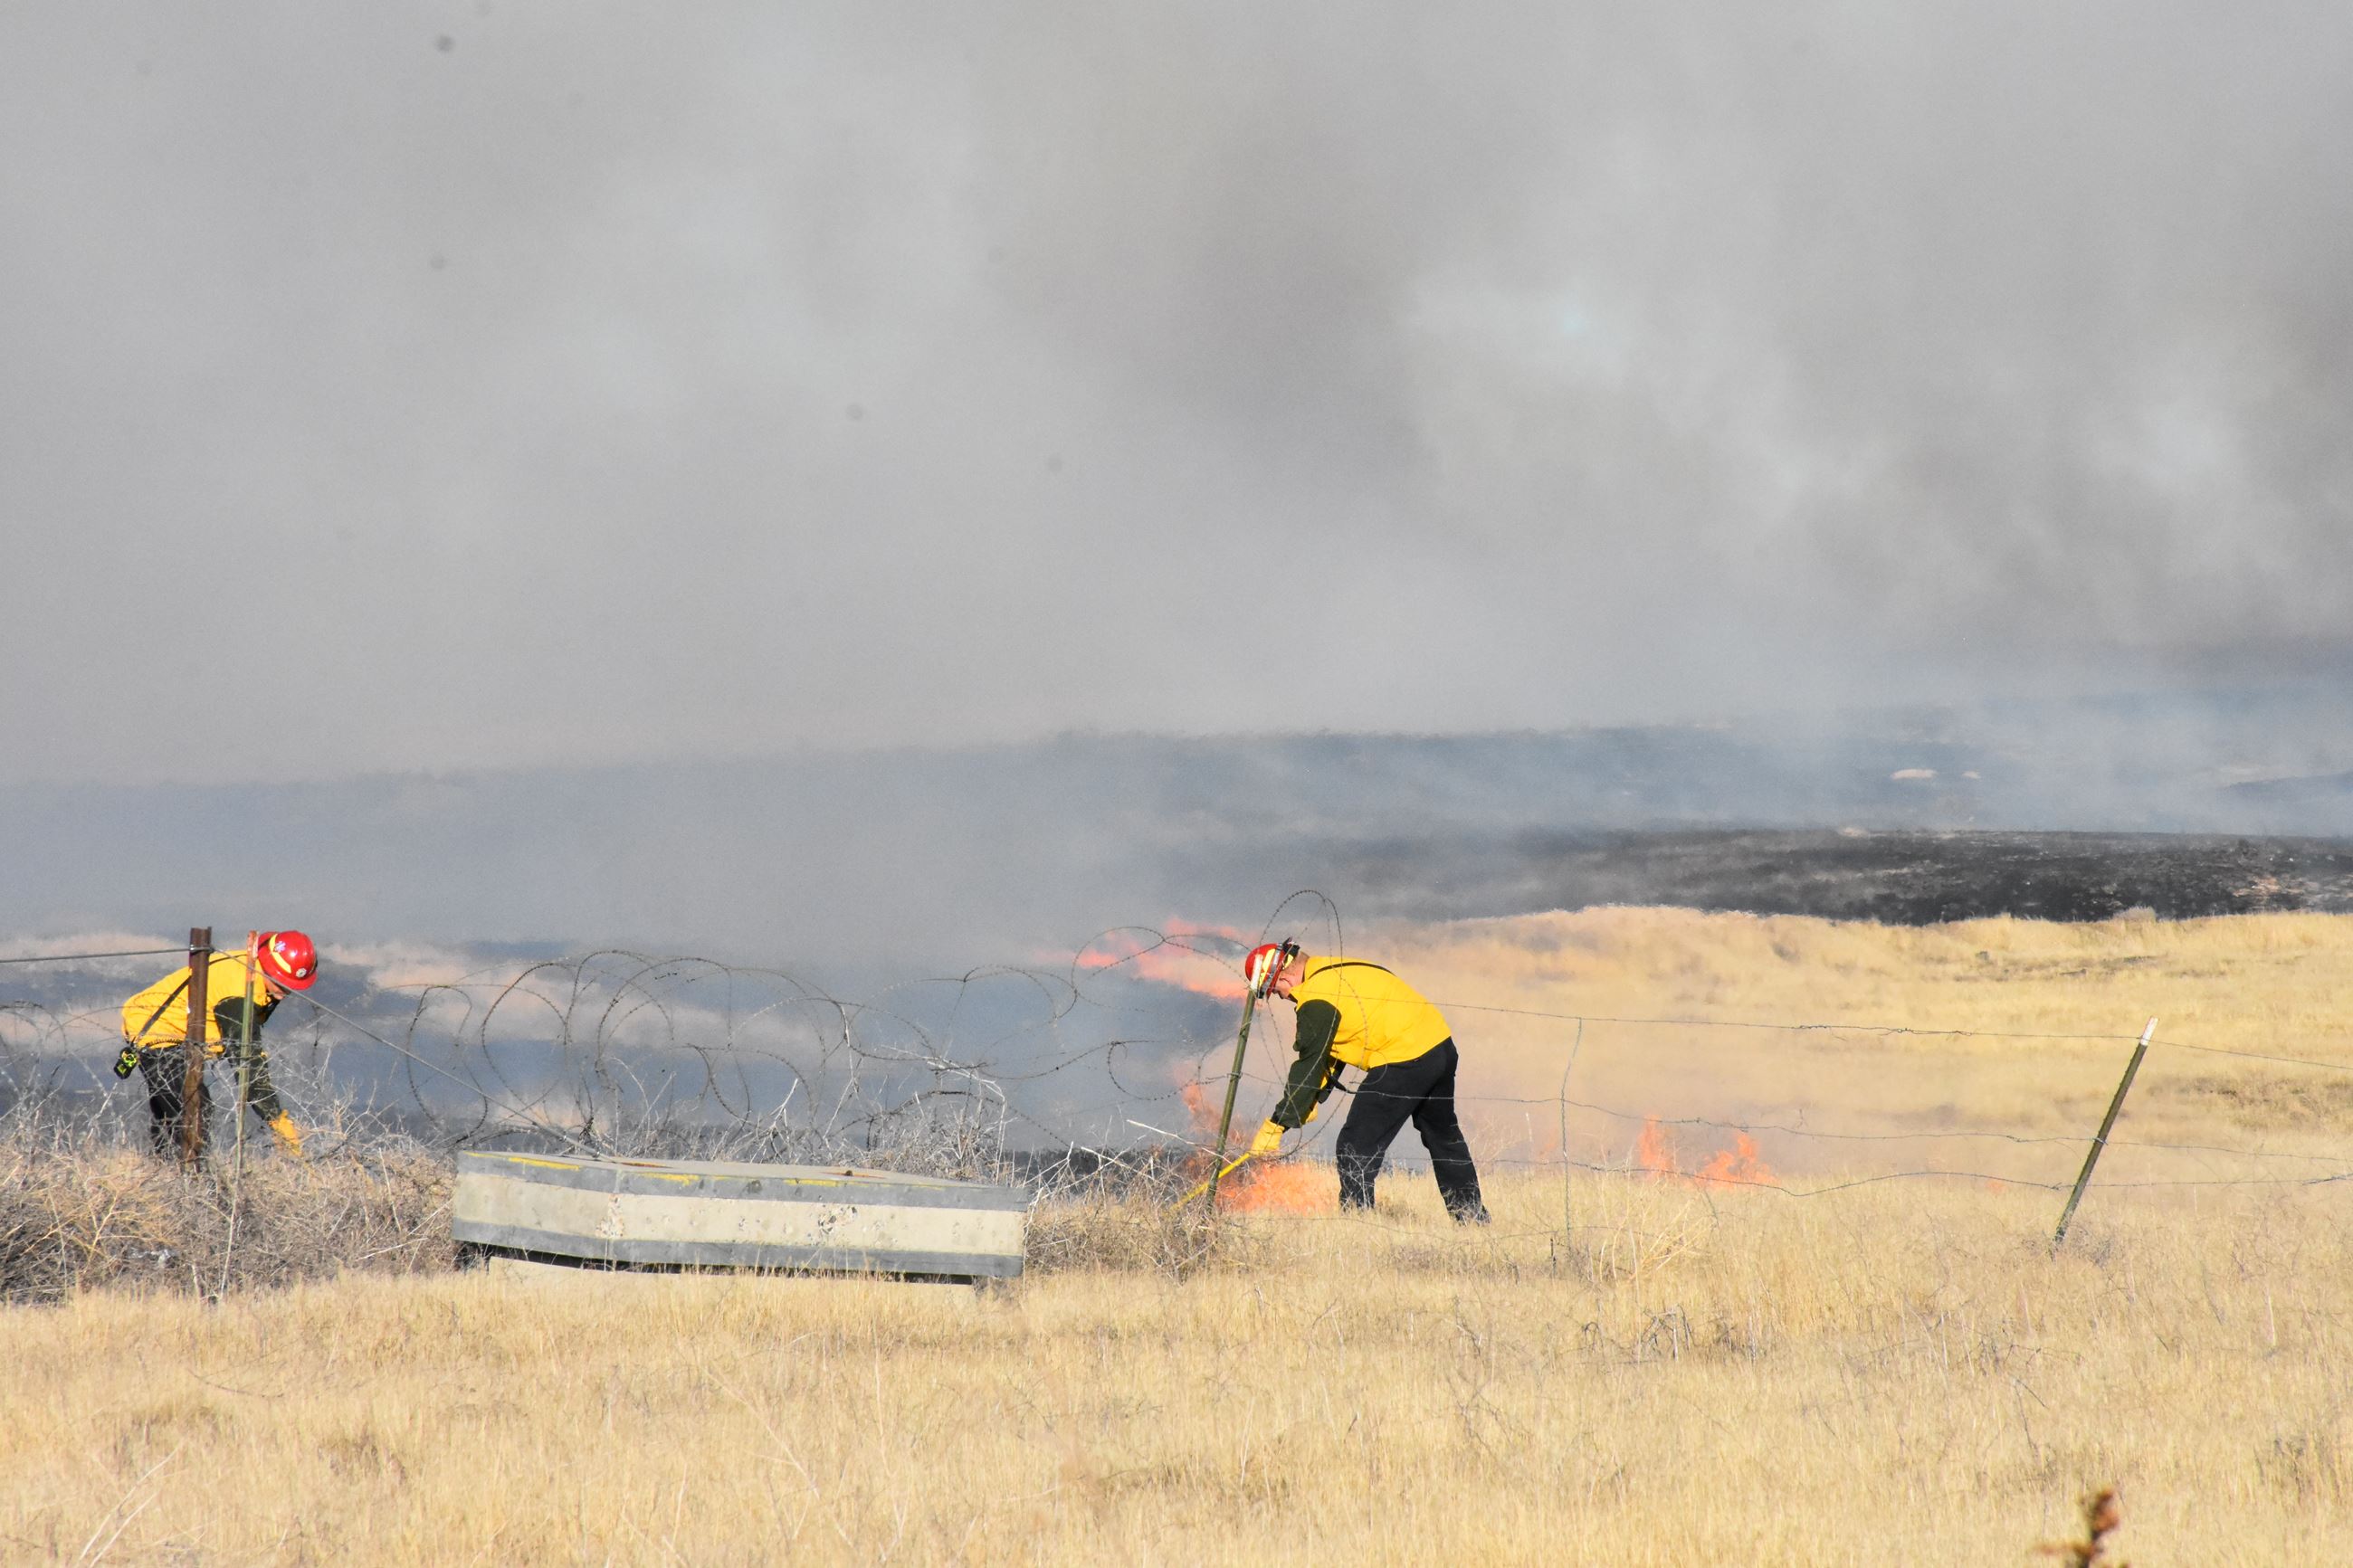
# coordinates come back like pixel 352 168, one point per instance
pixel 720 1215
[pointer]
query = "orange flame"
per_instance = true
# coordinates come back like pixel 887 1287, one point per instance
pixel 1285 1188
pixel 1260 1186
pixel 1169 958
pixel 1737 1164
pixel 1654 1152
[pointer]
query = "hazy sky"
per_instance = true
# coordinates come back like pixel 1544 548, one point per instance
pixel 488 384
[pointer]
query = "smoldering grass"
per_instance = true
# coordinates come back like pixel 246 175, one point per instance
pixel 2102 1514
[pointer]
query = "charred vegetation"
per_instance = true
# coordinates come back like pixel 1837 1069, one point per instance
pixel 1900 878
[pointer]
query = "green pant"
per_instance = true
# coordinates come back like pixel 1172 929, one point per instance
pixel 165 1068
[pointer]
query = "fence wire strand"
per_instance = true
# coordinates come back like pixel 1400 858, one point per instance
pixel 92 957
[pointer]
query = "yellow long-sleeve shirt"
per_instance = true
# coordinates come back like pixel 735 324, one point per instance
pixel 1352 1014
pixel 157 1017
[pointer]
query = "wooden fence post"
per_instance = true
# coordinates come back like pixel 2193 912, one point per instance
pixel 191 1083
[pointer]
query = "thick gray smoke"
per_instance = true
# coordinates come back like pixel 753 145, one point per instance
pixel 505 385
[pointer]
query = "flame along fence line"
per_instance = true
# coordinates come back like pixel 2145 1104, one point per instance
pixel 622 987
pixel 2342 1171
pixel 1701 1187
pixel 524 1114
pixel 2339 1166
pixel 2067 1140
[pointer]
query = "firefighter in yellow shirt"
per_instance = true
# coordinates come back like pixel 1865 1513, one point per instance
pixel 1359 1014
pixel 156 1031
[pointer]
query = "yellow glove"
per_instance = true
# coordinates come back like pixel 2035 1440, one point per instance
pixel 1268 1142
pixel 290 1137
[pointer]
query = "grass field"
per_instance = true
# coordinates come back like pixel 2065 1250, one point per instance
pixel 2041 1016
pixel 1625 1369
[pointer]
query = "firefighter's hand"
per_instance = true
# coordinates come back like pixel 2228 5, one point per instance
pixel 1268 1142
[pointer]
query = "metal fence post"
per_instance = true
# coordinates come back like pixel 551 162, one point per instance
pixel 1233 1085
pixel 2100 1139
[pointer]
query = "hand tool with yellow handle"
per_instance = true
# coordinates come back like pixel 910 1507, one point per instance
pixel 1228 1169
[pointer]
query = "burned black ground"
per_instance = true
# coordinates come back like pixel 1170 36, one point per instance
pixel 1898 877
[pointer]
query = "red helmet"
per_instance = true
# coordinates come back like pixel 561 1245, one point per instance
pixel 1265 962
pixel 288 958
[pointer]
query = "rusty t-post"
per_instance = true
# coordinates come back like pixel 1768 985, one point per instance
pixel 192 1085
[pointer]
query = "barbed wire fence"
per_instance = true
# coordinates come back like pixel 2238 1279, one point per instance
pixel 1097 1073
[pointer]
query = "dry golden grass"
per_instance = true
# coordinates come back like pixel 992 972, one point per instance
pixel 2278 984
pixel 1622 1371
pixel 2255 982
pixel 79 1214
pixel 1895 1377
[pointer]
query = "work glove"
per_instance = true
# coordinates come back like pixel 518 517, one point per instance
pixel 128 1062
pixel 1268 1142
pixel 290 1137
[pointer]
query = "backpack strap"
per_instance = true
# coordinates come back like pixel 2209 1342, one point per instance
pixel 141 1038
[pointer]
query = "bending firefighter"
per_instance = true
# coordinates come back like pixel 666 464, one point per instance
pixel 1359 1014
pixel 238 987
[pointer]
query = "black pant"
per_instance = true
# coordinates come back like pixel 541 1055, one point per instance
pixel 1422 1090
pixel 166 1071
